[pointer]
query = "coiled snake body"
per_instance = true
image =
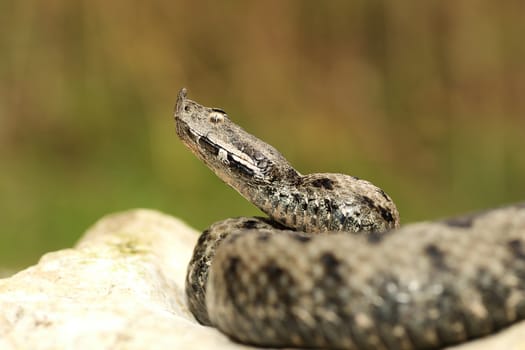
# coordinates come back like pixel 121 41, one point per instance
pixel 331 268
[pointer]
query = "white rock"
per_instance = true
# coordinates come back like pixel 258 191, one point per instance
pixel 122 287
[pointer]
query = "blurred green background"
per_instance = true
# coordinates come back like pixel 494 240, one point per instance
pixel 425 99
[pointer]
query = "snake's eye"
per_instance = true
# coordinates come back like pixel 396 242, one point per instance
pixel 216 117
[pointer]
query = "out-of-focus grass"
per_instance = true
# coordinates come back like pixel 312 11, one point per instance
pixel 424 99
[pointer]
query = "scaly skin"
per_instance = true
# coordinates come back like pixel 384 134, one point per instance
pixel 331 268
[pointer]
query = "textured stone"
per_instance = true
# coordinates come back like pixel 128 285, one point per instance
pixel 122 287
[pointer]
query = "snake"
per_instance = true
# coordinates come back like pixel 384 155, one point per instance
pixel 330 266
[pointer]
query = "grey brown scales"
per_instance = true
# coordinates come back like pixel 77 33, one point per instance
pixel 330 268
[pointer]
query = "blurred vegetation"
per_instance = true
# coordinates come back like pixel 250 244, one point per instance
pixel 426 99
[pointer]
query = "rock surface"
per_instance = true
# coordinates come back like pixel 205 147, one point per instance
pixel 121 287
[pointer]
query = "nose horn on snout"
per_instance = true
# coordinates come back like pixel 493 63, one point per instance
pixel 180 101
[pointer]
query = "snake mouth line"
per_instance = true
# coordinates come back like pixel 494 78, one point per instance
pixel 206 147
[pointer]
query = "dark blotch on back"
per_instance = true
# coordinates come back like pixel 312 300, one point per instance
pixel 258 222
pixel 494 294
pixel 460 222
pixel 249 224
pixel 301 238
pixel 331 265
pixel 368 201
pixel 385 213
pixel 273 271
pixel 203 237
pixel 231 269
pixel 375 237
pixel 273 224
pixel 436 256
pixel 324 183
pixel 517 249
pixel 263 237
pixel 382 193
pixel 464 221
pixel 279 282
pixel 329 261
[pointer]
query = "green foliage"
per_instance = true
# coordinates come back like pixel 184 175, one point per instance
pixel 423 98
